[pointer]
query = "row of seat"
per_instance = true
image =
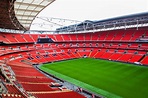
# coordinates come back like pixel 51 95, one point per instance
pixel 116 35
pixel 127 46
pixel 44 55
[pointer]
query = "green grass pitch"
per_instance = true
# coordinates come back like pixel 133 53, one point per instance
pixel 107 78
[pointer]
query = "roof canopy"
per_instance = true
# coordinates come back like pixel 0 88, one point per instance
pixel 27 10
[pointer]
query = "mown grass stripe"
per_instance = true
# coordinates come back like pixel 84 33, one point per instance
pixel 81 84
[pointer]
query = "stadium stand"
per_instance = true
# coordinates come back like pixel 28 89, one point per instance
pixel 28 77
pixel 20 52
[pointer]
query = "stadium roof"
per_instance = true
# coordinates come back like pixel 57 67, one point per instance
pixel 133 20
pixel 19 14
pixel 27 10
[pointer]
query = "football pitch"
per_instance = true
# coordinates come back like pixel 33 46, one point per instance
pixel 107 78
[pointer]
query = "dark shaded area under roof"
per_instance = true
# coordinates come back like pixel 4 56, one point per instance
pixel 7 16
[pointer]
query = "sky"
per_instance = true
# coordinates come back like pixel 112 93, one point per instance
pixel 82 10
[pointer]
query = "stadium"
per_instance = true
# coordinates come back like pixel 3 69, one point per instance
pixel 85 59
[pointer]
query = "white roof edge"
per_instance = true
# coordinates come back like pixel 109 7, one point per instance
pixel 27 10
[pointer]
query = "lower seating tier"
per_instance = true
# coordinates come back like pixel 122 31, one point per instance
pixel 69 94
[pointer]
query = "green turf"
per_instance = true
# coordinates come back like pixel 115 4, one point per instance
pixel 110 79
